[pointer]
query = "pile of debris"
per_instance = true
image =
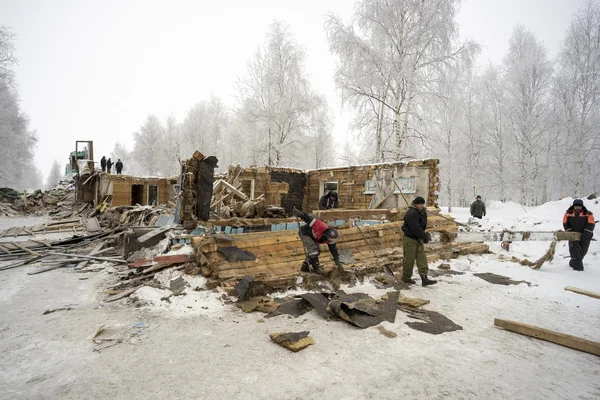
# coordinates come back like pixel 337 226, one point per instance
pixel 58 200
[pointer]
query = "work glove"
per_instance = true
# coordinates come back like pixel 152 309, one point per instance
pixel 586 235
pixel 427 238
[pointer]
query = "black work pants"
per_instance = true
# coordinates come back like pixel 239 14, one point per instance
pixel 578 249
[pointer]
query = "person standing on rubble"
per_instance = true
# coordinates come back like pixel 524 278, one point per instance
pixel 313 234
pixel 329 200
pixel 119 166
pixel 103 163
pixel 478 208
pixel 109 165
pixel 579 219
pixel 415 223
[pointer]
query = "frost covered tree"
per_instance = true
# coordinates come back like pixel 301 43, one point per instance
pixel 54 176
pixel 276 99
pixel 120 152
pixel 577 92
pixel 17 140
pixel 527 79
pixel 320 143
pixel 391 53
pixel 148 146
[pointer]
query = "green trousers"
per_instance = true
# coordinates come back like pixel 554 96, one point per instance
pixel 413 250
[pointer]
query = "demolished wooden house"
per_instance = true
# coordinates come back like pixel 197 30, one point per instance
pixel 372 201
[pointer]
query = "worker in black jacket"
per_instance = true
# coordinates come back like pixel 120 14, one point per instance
pixel 579 219
pixel 329 200
pixel 415 223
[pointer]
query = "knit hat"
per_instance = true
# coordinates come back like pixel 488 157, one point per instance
pixel 419 200
pixel 578 202
pixel 478 197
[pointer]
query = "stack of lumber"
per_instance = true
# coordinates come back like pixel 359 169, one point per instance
pixel 279 254
pixel 57 253
pixel 74 225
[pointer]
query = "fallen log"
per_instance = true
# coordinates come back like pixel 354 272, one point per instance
pixel 570 341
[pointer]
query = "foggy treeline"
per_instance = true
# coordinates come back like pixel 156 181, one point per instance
pixel 525 129
pixel 17 141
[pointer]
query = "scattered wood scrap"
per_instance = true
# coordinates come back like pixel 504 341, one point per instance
pixel 294 341
pixel 583 292
pixel 562 339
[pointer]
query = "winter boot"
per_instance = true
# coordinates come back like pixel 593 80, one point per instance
pixel 425 281
pixel 317 269
pixel 305 267
pixel 410 281
pixel 578 265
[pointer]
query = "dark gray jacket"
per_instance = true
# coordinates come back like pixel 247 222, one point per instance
pixel 478 208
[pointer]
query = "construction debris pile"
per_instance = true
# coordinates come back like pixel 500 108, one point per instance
pixel 60 198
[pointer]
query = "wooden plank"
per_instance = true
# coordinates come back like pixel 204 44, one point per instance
pixel 33 253
pixel 118 261
pixel 95 251
pixel 19 231
pixel 153 233
pixel 42 243
pixel 563 339
pixel 4 249
pixel 583 292
pixel 123 294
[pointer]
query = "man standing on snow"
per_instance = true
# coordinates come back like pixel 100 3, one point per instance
pixel 478 208
pixel 415 222
pixel 313 234
pixel 103 163
pixel 579 219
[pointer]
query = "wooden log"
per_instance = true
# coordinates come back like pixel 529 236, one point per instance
pixel 583 292
pixel 19 231
pixel 563 339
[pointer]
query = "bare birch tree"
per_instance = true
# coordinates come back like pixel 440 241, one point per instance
pixel 391 52
pixel 577 90
pixel 528 75
pixel 275 96
pixel 148 146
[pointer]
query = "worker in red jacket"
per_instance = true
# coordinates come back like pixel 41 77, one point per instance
pixel 579 219
pixel 313 234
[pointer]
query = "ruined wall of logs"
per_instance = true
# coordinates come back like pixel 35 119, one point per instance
pixel 281 187
pixel 122 185
pixel 280 253
pixel 352 183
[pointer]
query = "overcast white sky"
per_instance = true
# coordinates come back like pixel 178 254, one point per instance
pixel 94 70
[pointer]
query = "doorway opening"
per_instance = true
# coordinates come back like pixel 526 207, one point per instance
pixel 153 195
pixel 137 194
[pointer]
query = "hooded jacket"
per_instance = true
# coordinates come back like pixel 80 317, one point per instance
pixel 478 208
pixel 415 222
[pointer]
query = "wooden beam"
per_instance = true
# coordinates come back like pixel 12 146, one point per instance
pixel 583 292
pixel 33 253
pixel 572 342
pixel 153 233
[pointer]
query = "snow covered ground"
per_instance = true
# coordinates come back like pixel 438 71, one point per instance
pixel 200 347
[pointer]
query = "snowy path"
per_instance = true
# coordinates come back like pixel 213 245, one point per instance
pixel 221 352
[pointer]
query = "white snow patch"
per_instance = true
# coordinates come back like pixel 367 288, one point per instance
pixel 192 303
